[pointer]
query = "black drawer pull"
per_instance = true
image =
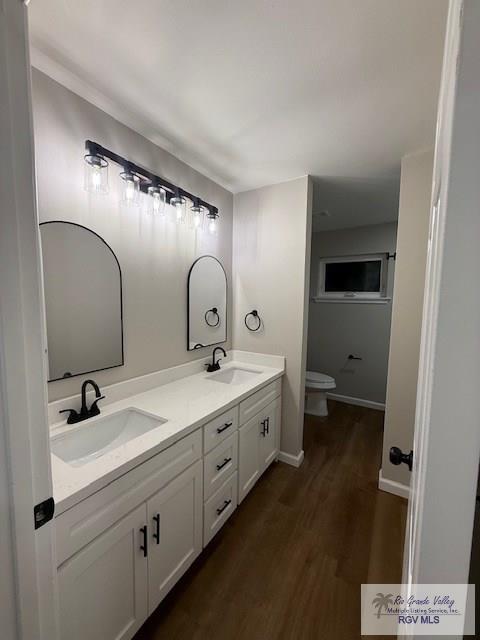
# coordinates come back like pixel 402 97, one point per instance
pixel 144 546
pixel 156 533
pixel 226 426
pixel 225 505
pixel 225 462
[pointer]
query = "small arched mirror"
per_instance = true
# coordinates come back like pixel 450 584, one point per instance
pixel 207 303
pixel 83 301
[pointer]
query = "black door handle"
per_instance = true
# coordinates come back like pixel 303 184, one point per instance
pixel 397 457
pixel 144 546
pixel 156 533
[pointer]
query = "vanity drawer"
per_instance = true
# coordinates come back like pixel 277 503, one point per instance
pixel 259 400
pixel 219 428
pixel 219 508
pixel 219 464
pixel 77 526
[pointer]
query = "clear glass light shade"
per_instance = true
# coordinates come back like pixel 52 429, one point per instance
pixel 131 188
pixel 156 201
pixel 197 217
pixel 179 206
pixel 212 224
pixel 96 174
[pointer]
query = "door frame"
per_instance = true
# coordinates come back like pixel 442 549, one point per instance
pixel 447 436
pixel 26 478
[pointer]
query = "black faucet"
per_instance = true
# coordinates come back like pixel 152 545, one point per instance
pixel 215 365
pixel 85 412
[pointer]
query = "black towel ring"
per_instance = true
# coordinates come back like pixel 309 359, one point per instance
pixel 213 310
pixel 253 313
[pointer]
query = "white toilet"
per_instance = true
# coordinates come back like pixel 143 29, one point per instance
pixel 316 387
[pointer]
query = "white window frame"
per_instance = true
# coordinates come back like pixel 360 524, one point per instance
pixel 353 295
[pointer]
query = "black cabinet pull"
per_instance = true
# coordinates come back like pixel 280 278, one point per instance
pixel 144 546
pixel 222 509
pixel 227 425
pixel 156 533
pixel 264 424
pixel 268 425
pixel 225 462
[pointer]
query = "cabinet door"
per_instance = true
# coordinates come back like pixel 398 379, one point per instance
pixel 269 434
pixel 248 456
pixel 103 588
pixel 175 519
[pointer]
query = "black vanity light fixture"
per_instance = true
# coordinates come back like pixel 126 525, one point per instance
pixel 137 180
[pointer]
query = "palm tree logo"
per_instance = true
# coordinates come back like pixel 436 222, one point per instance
pixel 382 602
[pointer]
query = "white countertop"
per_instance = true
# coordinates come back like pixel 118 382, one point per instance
pixel 186 404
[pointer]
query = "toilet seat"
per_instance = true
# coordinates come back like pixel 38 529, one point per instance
pixel 316 380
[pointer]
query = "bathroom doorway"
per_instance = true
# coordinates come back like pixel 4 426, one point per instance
pixel 352 281
pixel 368 264
pixel 352 272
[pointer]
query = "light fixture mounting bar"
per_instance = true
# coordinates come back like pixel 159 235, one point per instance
pixel 147 178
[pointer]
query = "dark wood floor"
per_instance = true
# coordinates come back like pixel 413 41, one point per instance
pixel 289 563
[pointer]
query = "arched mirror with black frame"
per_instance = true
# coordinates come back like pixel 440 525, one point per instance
pixel 207 303
pixel 83 300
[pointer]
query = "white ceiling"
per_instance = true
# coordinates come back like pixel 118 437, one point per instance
pixel 254 92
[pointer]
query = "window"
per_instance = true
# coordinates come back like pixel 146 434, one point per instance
pixel 362 277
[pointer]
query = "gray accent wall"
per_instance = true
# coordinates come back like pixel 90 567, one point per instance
pixel 155 259
pixel 337 329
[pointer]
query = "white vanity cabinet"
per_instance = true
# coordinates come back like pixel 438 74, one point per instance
pixel 121 549
pixel 109 588
pixel 116 564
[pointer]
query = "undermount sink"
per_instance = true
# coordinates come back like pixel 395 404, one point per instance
pixel 235 375
pixel 98 436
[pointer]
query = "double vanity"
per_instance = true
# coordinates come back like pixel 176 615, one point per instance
pixel 148 470
pixel 143 487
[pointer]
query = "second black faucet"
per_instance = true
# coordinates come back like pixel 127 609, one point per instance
pixel 85 412
pixel 215 365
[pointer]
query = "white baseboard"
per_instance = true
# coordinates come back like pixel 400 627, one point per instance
pixel 359 402
pixel 294 461
pixel 391 486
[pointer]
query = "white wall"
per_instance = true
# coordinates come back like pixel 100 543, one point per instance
pixel 412 242
pixel 154 259
pixel 336 330
pixel 272 229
